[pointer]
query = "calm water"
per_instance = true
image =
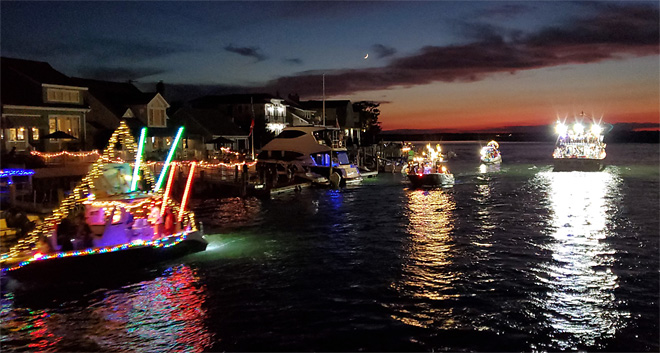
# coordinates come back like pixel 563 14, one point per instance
pixel 515 259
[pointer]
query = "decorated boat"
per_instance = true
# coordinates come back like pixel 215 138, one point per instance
pixel 490 154
pixel 308 152
pixel 429 169
pixel 578 148
pixel 117 217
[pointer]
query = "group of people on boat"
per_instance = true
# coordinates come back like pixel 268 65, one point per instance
pixel 118 227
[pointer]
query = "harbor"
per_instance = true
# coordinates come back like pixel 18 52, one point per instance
pixel 277 176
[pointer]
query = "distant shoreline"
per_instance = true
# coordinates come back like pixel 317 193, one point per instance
pixel 611 137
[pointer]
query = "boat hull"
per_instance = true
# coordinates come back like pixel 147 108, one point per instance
pixel 106 263
pixel 496 160
pixel 578 164
pixel 430 180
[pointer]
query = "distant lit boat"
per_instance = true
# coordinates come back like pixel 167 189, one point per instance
pixel 578 149
pixel 428 170
pixel 309 150
pixel 490 154
pixel 113 220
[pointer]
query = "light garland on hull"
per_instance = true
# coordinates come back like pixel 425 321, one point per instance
pixel 164 243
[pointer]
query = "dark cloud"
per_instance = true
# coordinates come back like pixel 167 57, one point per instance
pixel 252 52
pixel 613 33
pixel 117 74
pixel 505 10
pixel 293 61
pixel 95 49
pixel 382 51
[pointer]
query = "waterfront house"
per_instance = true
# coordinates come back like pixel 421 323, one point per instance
pixel 38 100
pixel 338 113
pixel 207 132
pixel 112 102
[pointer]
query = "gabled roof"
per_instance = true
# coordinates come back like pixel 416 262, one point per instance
pixel 206 122
pixel 22 82
pixel 116 96
pixel 37 71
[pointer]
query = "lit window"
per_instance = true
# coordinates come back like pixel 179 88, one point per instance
pixel 20 134
pixel 35 133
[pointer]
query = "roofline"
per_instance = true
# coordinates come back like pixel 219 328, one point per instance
pixel 51 85
pixel 85 110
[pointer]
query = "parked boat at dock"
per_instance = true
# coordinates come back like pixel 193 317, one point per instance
pixel 310 152
pixel 429 170
pixel 116 218
pixel 578 149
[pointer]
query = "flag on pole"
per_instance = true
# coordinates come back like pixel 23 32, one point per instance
pixel 251 127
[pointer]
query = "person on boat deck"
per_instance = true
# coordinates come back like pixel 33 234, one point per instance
pixel 155 220
pixel 169 222
pixel 84 233
pixel 43 245
pixel 65 231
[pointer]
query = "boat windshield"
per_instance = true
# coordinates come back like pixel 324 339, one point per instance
pixel 342 158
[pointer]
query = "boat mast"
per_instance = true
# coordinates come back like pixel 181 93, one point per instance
pixel 252 130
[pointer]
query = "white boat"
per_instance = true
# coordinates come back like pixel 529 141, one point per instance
pixel 301 150
pixel 429 170
pixel 113 220
pixel 490 154
pixel 577 148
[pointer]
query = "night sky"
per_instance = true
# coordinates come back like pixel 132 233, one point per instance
pixel 433 65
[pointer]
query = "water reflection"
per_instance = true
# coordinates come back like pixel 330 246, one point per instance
pixel 580 303
pixel 164 314
pixel 427 276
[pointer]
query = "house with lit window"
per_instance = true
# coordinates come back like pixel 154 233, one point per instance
pixel 207 133
pixel 338 113
pixel 37 100
pixel 271 113
pixel 112 102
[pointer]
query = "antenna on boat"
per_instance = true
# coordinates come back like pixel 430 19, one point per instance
pixel 252 126
pixel 323 104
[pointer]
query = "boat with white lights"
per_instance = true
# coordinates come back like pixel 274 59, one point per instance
pixel 579 148
pixel 117 217
pixel 309 152
pixel 490 154
pixel 429 170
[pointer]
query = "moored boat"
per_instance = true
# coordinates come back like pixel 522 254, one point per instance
pixel 490 154
pixel 578 149
pixel 300 150
pixel 428 170
pixel 116 218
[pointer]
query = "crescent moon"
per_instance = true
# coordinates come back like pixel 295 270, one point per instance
pixel 366 56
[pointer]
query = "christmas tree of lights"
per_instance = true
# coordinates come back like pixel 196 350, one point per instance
pixel 121 146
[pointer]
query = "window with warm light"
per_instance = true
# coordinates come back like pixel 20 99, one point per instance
pixel 66 123
pixel 35 133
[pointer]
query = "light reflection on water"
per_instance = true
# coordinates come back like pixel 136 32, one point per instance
pixel 581 305
pixel 163 314
pixel 427 276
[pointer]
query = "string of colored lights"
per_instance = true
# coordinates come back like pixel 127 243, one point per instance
pixel 161 177
pixel 186 192
pixel 164 242
pixel 58 154
pixel 12 172
pixel 138 158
